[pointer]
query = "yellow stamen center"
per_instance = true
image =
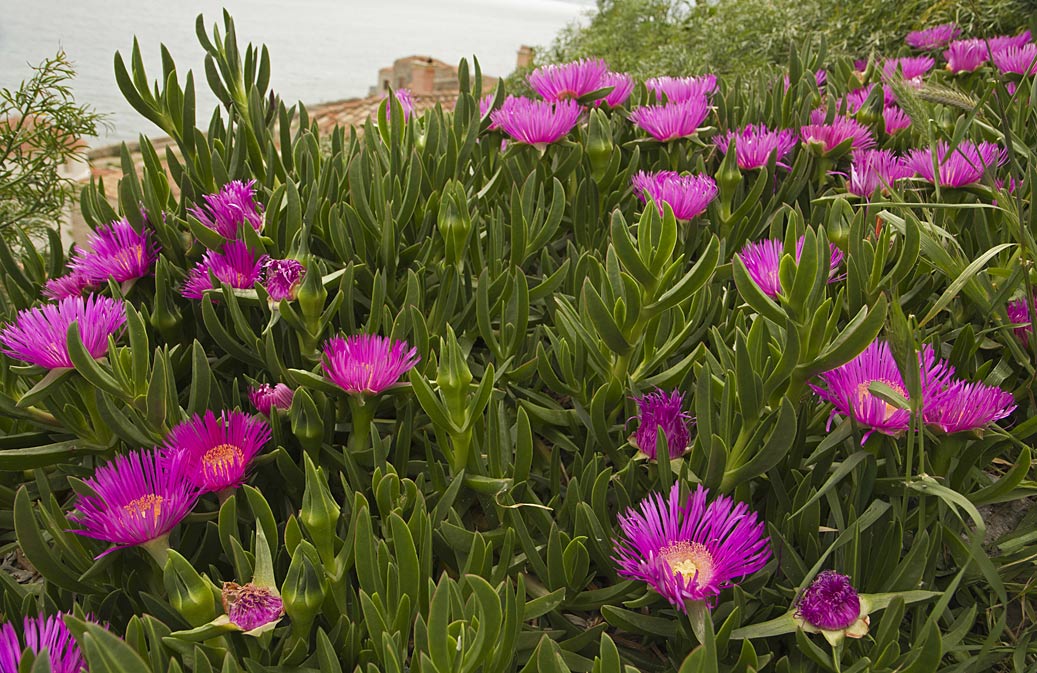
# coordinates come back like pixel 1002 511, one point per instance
pixel 863 393
pixel 145 505
pixel 222 458
pixel 689 559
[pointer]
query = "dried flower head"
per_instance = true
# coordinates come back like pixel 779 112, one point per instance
pixel 831 606
pixel 249 606
pixel 662 410
pixel 282 278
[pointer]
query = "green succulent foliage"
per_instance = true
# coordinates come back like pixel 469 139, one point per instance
pixel 464 520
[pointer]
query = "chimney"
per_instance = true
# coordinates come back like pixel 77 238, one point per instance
pixel 525 57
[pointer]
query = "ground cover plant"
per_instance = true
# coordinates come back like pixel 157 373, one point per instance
pixel 677 374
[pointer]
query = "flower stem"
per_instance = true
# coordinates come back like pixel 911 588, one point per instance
pixel 158 549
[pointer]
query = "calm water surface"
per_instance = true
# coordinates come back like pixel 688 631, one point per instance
pixel 320 50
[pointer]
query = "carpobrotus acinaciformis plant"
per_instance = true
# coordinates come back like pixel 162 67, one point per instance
pixel 234 206
pixel 832 607
pixel 217 450
pixel 39 335
pixel 687 195
pixel 664 410
pixel 367 364
pixel 41 633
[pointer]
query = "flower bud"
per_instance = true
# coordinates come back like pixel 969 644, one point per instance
pixel 307 424
pixel 311 295
pixel 453 376
pixel 189 593
pixel 320 513
pixel 454 222
pixel 599 144
pixel 303 588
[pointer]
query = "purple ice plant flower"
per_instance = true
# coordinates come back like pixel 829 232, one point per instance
pixel 265 397
pixel 568 81
pixel 622 86
pixel 71 284
pixel 39 335
pixel 367 364
pixel 231 208
pixel 831 606
pixel 217 450
pixel 911 67
pixel 827 137
pixel 848 388
pixel 755 144
pixel 962 166
pixel 1017 60
pixel 116 251
pixel 236 266
pixel 1004 41
pixel 966 55
pixel 687 195
pixel 874 171
pixel 894 119
pixel 855 100
pixel 282 278
pixel 762 259
pixel 406 101
pixel 41 633
pixel 664 410
pixel 673 120
pixel 249 606
pixel 535 122
pixel 1019 314
pixel 933 37
pixel 689 549
pixel 820 77
pixel 682 89
pixel 964 406
pixel 485 108
pixel 138 499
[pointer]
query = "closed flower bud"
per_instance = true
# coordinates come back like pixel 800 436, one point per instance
pixel 303 590
pixel 454 222
pixel 320 513
pixel 599 144
pixel 454 376
pixel 189 593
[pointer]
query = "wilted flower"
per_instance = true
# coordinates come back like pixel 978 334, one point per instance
pixel 831 606
pixel 366 364
pixel 848 387
pixel 249 606
pixel 233 206
pixel 673 120
pixel 966 55
pixel 41 633
pixel 687 549
pixel 1019 60
pixel 688 195
pixel 535 122
pixel 762 259
pixel 117 251
pixel 282 278
pixel 682 89
pixel 830 136
pixel 964 165
pixel 265 398
pixel 236 266
pixel 71 284
pixel 875 171
pixel 568 81
pixel 934 37
pixel 1019 313
pixel 39 335
pixel 622 86
pixel 662 410
pixel 755 144
pixel 140 497
pixel 217 451
pixel 964 406
pixel 911 67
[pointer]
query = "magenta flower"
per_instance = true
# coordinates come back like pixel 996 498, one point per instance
pixel 662 410
pixel 217 451
pixel 485 108
pixel 117 251
pixel 911 67
pixel 855 100
pixel 622 86
pixel 874 171
pixel 963 406
pixel 820 77
pixel 1004 41
pixel 848 388
pixel 282 278
pixel 41 633
pixel 673 120
pixel 39 334
pixel 366 364
pixel 755 144
pixel 140 497
pixel 249 606
pixel 894 119
pixel 71 284
pixel 965 165
pixel 406 101
pixel 827 137
pixel 233 206
pixel 236 266
pixel 682 89
pixel 568 81
pixel 534 122
pixel 687 549
pixel 762 260
pixel 830 602
pixel 934 37
pixel 688 195
pixel 966 55
pixel 265 398
pixel 1019 314
pixel 1018 60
